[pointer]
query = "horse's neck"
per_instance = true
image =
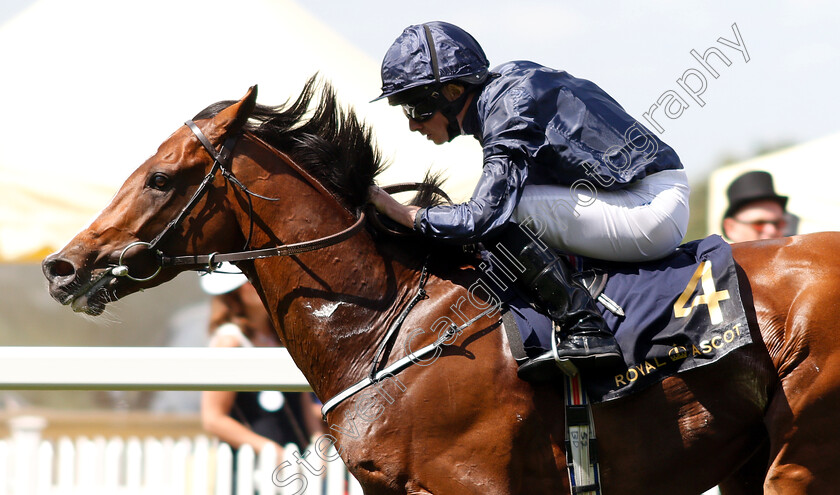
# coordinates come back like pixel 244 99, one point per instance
pixel 336 324
pixel 331 307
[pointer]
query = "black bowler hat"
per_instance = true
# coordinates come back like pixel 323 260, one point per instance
pixel 752 186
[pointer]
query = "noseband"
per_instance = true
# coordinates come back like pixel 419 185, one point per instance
pixel 210 262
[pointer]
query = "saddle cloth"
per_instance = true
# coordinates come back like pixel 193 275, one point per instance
pixel 680 313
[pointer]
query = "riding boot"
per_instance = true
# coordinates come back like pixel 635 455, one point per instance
pixel 581 335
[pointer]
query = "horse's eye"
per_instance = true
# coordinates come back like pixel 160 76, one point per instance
pixel 159 181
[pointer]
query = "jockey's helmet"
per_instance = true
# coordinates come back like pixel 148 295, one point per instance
pixel 424 57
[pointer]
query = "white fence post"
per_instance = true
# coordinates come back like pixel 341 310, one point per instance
pixel 354 488
pixel 266 463
pixel 4 467
pixel 335 471
pixel 245 470
pixel 133 463
pixel 180 464
pixel 155 464
pixel 287 480
pixel 315 476
pixel 197 466
pixel 26 439
pixel 168 446
pixel 200 463
pixel 66 465
pixel 224 470
pixel 45 468
pixel 114 464
pixel 86 464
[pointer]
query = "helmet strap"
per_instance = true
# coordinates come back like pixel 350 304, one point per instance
pixel 450 110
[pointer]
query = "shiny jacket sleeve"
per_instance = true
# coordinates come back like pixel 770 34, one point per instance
pixel 509 131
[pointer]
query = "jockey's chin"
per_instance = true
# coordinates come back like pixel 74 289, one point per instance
pixel 435 129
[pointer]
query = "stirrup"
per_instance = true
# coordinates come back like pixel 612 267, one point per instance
pixel 595 350
pixel 545 368
pixel 565 365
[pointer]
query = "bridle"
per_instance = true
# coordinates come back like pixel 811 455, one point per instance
pixel 209 262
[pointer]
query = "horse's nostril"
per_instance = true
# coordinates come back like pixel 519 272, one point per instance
pixel 60 268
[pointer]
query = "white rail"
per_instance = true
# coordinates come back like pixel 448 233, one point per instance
pixel 32 466
pixel 149 368
pixel 162 466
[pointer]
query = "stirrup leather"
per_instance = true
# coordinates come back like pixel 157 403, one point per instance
pixel 581 445
pixel 566 366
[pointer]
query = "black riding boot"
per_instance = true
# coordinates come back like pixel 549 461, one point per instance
pixel 580 332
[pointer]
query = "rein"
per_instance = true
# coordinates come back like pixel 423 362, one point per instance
pixel 211 261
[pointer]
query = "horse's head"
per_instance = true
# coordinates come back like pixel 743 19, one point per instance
pixel 117 254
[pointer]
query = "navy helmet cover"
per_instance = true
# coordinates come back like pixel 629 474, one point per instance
pixel 431 54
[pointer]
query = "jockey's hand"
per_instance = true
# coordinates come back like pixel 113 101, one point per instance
pixel 385 203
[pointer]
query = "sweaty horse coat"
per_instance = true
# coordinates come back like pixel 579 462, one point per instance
pixel 465 423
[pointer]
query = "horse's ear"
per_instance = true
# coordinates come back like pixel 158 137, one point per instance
pixel 231 119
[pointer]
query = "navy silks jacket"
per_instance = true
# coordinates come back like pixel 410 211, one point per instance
pixel 538 125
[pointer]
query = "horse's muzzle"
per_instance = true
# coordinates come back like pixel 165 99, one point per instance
pixel 61 275
pixel 68 286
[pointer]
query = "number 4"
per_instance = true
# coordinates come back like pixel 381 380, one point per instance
pixel 711 297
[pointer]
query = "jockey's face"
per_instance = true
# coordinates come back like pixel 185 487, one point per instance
pixel 434 128
pixel 763 219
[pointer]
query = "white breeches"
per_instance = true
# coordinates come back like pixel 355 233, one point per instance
pixel 644 221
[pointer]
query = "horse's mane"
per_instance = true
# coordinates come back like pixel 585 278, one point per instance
pixel 327 140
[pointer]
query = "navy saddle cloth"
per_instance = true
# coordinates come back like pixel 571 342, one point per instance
pixel 680 312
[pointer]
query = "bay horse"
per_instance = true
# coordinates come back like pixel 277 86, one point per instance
pixel 763 418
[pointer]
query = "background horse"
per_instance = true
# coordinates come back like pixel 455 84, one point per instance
pixel 763 417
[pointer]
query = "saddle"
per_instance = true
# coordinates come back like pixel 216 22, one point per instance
pixel 668 316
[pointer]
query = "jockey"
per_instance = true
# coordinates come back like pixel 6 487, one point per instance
pixel 558 152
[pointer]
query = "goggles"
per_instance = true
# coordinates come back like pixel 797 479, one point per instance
pixel 422 110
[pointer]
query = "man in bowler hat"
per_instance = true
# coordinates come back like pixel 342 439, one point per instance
pixel 755 210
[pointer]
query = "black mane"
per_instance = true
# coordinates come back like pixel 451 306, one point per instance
pixel 331 144
pixel 328 141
